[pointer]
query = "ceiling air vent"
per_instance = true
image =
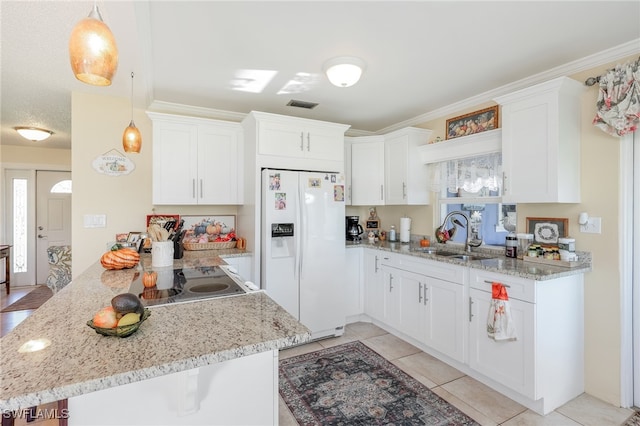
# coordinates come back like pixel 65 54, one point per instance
pixel 302 104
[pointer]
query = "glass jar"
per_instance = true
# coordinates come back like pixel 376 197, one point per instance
pixel 392 233
pixel 524 241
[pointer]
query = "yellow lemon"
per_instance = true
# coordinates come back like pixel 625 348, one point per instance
pixel 128 319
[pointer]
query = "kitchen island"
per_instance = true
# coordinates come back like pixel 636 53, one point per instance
pixel 199 346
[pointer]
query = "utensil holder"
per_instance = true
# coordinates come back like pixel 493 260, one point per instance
pixel 161 253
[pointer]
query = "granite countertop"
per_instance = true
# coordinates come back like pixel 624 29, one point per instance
pixel 493 259
pixel 175 338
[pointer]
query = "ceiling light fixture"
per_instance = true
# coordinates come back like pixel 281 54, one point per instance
pixel 34 134
pixel 93 51
pixel 344 71
pixel 132 139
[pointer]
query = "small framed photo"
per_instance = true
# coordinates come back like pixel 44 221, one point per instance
pixel 133 237
pixel 547 230
pixel 472 123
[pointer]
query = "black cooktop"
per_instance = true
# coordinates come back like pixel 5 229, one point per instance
pixel 186 284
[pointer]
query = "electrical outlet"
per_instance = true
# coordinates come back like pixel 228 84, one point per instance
pixel 593 226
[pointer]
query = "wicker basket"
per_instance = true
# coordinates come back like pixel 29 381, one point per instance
pixel 210 246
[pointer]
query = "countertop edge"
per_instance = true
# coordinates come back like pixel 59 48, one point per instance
pixel 537 272
pixel 77 389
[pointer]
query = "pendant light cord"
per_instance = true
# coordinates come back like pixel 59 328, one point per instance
pixel 131 96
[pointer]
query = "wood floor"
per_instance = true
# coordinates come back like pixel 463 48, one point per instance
pixel 8 321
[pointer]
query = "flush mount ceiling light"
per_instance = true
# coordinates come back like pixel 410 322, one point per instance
pixel 33 133
pixel 131 138
pixel 93 51
pixel 344 71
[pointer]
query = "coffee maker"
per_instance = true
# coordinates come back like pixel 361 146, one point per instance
pixel 353 227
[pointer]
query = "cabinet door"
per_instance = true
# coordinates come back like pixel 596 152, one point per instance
pixel 541 143
pixel 373 285
pixel 353 289
pixel 444 320
pixel 367 173
pixel 511 362
pixel 175 163
pixel 396 168
pixel 324 143
pixel 392 279
pixel 218 165
pixel 413 313
pixel 281 139
pixel 242 264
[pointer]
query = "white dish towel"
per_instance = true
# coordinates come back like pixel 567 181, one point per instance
pixel 499 322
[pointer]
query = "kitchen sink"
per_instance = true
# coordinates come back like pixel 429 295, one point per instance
pixel 448 253
pixel 466 257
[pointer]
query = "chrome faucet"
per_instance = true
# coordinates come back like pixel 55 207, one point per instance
pixel 469 242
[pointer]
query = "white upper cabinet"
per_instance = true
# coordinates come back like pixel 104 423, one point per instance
pixel 406 177
pixel 367 171
pixel 297 143
pixel 541 143
pixel 196 161
pixel 387 169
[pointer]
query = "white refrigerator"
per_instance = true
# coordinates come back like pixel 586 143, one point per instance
pixel 303 247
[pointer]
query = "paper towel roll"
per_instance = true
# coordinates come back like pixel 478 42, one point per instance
pixel 405 229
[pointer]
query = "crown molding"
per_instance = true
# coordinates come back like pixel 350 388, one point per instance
pixel 194 111
pixel 586 63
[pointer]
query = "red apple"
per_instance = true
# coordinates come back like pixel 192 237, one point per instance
pixel 106 318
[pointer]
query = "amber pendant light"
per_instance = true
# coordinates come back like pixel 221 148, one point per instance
pixel 132 139
pixel 93 51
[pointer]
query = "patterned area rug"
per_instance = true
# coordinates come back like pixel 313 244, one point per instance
pixel 634 420
pixel 351 384
pixel 31 300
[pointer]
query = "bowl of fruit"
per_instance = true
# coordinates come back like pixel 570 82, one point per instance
pixel 122 318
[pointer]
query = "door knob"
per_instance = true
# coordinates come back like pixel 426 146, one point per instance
pixel 42 236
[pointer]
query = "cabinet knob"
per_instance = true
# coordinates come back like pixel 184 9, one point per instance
pixel 419 292
pixel 301 141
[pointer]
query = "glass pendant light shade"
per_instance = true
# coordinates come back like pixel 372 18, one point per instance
pixel 132 139
pixel 92 50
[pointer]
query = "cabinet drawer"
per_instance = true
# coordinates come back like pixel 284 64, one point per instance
pixel 517 288
pixel 433 268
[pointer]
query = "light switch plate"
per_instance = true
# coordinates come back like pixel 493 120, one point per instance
pixel 95 220
pixel 593 226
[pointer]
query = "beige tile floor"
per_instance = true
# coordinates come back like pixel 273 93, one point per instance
pixel 478 401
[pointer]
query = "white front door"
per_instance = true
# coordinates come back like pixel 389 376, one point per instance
pixel 53 216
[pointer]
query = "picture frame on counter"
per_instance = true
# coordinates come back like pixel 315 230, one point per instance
pixel 472 123
pixel 547 230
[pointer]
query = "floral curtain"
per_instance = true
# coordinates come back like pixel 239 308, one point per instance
pixel 619 100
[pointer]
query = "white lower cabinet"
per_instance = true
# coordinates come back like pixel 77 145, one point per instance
pixel 392 281
pixel 508 362
pixel 353 293
pixel 444 308
pixel 242 264
pixel 545 364
pixel 373 284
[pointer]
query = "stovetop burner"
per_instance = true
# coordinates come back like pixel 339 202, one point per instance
pixel 187 284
